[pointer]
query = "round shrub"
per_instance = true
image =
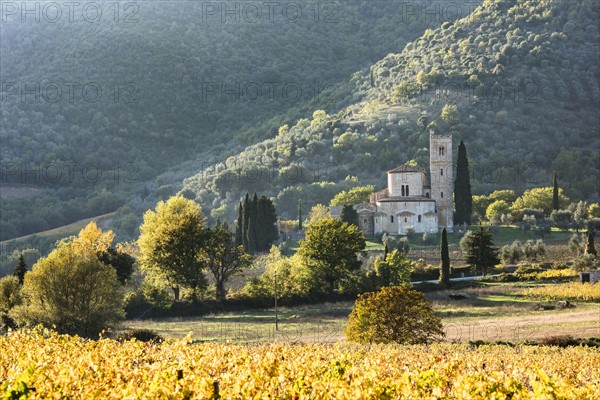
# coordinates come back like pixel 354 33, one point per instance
pixel 395 314
pixel 142 335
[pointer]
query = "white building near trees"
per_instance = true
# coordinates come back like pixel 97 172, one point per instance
pixel 411 201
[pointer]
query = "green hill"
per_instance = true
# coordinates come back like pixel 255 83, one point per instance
pixel 97 102
pixel 517 80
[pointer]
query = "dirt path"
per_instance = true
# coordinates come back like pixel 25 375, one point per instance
pixel 575 323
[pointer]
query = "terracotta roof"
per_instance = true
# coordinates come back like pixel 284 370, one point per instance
pixel 406 167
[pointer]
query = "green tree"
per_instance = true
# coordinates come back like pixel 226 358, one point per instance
pixel 170 242
pixel 223 259
pixel 562 219
pixel 594 211
pixel 256 221
pixel 72 290
pixel 293 148
pixel 555 198
pixel 246 220
pixel 266 224
pixel 20 269
pixel 121 261
pixel 463 198
pixel 589 245
pixel 480 205
pixel 239 227
pixel 481 254
pixel 330 250
pixel 423 121
pixel 10 294
pixel 294 279
pixel 101 242
pixel 394 314
pixel 349 215
pixel 250 238
pixel 253 235
pixel 506 195
pixel 394 269
pixel 540 198
pixel 496 209
pixel 317 213
pixel 356 195
pixel 445 260
pixel 450 114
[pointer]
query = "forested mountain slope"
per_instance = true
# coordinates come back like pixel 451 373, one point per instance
pixel 517 80
pixel 126 89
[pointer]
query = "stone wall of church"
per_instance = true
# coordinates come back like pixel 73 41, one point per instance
pixel 414 181
pixel 395 218
pixel 366 224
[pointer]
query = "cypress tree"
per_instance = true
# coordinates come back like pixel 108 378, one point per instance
pixel 261 238
pixel 386 250
pixel 462 188
pixel 254 222
pixel 239 227
pixel 555 202
pixel 246 221
pixel 349 215
pixel 20 269
pixel 589 246
pixel 445 260
pixel 250 238
pixel 267 220
pixel 299 215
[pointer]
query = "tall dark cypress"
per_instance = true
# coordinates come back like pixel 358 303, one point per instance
pixel 246 221
pixel 254 222
pixel 462 188
pixel 349 215
pixel 589 245
pixel 445 260
pixel 20 269
pixel 239 227
pixel 555 202
pixel 250 238
pixel 266 224
pixel 299 215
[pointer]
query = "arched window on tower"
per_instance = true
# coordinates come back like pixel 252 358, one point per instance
pixel 419 218
pixel 407 193
pixel 442 151
pixel 402 190
pixel 392 219
pixel 427 194
pixel 442 195
pixel 442 172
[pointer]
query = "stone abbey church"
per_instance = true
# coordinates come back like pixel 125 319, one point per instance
pixel 414 200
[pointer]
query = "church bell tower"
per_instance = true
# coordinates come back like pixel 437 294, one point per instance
pixel 442 179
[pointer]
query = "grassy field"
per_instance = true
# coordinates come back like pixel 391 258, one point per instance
pixel 502 235
pixel 490 312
